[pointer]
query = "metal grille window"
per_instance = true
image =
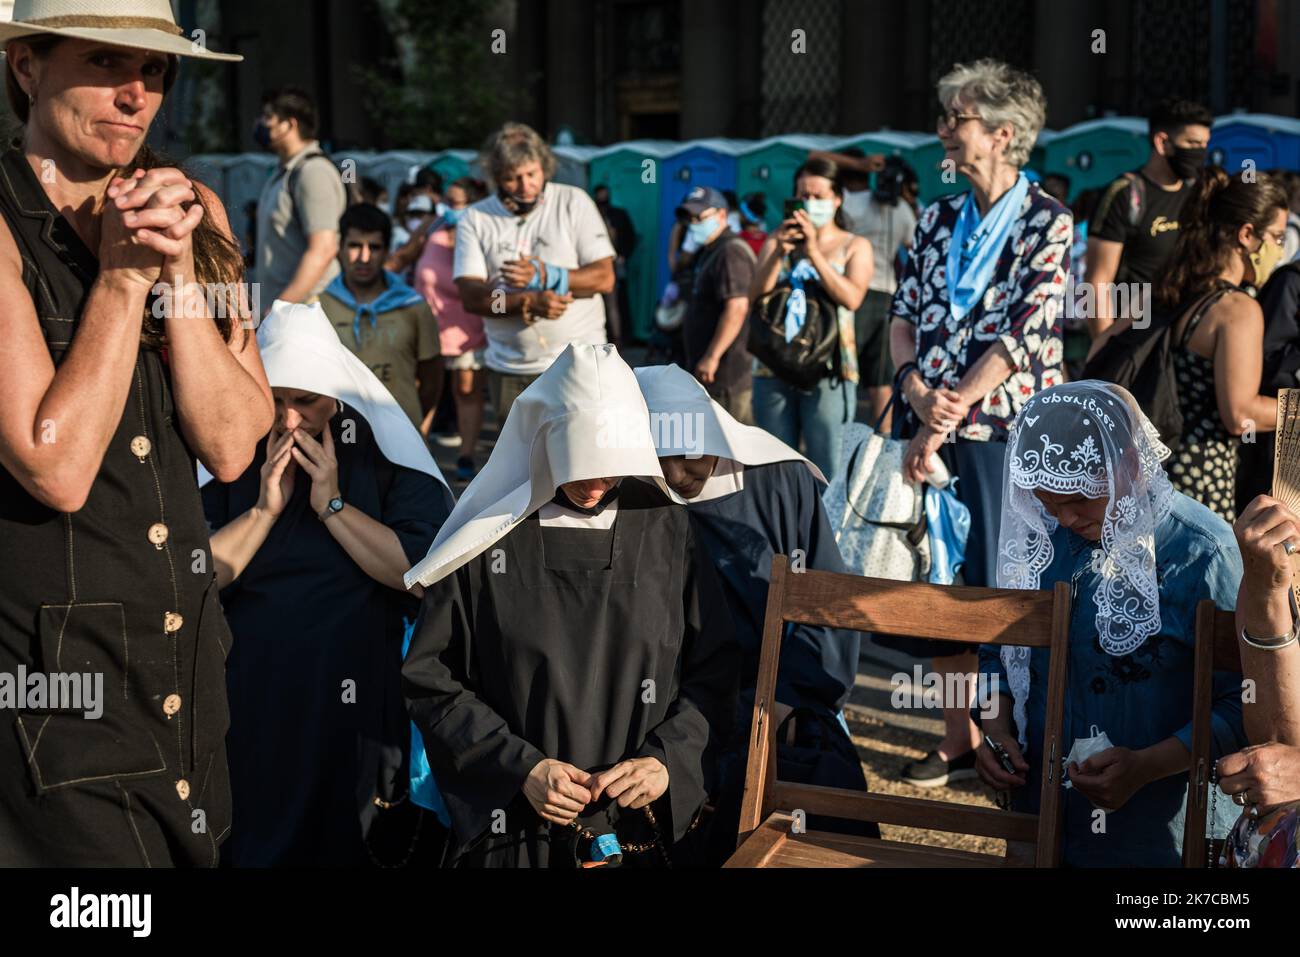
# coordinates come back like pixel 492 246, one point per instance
pixel 962 31
pixel 1195 50
pixel 800 91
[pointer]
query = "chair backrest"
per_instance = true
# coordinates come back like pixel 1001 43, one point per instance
pixel 1216 650
pixel 974 616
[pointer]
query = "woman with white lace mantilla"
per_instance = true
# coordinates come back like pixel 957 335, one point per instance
pixel 1087 502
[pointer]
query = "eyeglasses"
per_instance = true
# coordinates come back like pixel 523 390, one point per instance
pixel 952 119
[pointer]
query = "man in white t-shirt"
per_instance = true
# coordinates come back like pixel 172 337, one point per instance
pixel 534 261
pixel 888 222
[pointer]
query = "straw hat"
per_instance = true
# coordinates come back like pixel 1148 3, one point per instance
pixel 138 24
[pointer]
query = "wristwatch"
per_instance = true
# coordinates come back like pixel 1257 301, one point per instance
pixel 333 508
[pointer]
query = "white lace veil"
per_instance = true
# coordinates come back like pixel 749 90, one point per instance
pixel 1085 437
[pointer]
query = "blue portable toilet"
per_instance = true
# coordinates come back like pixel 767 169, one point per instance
pixel 710 162
pixel 1270 142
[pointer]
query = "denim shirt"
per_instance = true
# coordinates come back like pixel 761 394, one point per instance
pixel 1138 699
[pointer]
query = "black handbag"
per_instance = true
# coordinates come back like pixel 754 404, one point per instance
pixel 813 353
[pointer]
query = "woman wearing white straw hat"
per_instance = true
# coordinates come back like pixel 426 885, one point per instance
pixel 106 400
pixel 310 546
pixel 573 669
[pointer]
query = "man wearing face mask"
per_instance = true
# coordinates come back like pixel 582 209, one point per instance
pixel 715 329
pixel 300 205
pixel 1136 225
pixel 534 261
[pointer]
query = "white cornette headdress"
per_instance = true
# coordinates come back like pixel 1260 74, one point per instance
pixel 301 350
pixel 684 420
pixel 1090 438
pixel 584 418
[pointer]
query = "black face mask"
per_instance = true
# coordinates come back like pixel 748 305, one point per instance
pixel 262 134
pixel 516 206
pixel 1185 161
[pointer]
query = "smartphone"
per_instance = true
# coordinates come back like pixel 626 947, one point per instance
pixel 791 205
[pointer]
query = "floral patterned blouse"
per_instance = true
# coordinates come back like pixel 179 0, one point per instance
pixel 1015 310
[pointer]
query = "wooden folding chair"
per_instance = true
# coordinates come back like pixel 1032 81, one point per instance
pixel 973 616
pixel 1216 650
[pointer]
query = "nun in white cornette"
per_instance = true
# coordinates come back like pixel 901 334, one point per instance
pixel 310 545
pixel 572 672
pixel 750 497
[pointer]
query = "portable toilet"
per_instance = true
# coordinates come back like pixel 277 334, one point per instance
pixel 710 162
pixel 395 168
pixel 246 174
pixel 921 151
pixel 1270 142
pixel 631 172
pixel 210 170
pixel 1095 153
pixel 571 164
pixel 1038 158
pixel 452 165
pixel 769 167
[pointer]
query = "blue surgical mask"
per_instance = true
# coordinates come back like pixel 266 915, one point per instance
pixel 452 217
pixel 702 232
pixel 820 211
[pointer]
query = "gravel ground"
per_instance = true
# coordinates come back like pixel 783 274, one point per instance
pixel 887 738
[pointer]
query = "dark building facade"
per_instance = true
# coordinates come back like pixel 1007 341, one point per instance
pixel 611 70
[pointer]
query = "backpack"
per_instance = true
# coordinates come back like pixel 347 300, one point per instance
pixel 811 355
pixel 1142 361
pixel 291 181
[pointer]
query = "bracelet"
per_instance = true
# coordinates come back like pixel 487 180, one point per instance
pixel 1272 643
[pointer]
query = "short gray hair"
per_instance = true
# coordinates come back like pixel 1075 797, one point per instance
pixel 1004 96
pixel 511 147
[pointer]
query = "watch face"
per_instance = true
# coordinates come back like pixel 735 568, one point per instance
pixel 336 505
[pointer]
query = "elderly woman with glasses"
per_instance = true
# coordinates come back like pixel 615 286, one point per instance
pixel 976 327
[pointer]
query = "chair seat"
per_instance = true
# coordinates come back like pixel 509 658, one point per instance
pixel 775 845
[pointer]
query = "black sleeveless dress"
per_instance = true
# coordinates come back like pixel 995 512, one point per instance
pixel 122 589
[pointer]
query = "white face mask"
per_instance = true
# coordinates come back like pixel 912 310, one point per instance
pixel 820 211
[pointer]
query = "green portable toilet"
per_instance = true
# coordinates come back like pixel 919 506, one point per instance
pixel 452 165
pixel 769 168
pixel 631 171
pixel 1094 153
pixel 921 151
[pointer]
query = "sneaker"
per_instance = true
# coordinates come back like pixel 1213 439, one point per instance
pixel 932 771
pixel 464 469
pixel 448 440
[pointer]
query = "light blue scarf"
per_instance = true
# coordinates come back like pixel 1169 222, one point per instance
pixel 796 307
pixel 977 244
pixel 397 295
